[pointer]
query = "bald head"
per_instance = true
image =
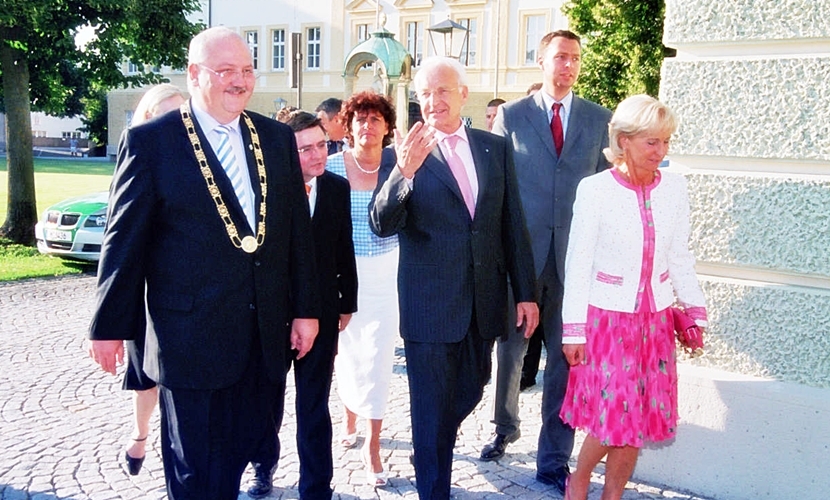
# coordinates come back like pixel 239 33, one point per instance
pixel 221 75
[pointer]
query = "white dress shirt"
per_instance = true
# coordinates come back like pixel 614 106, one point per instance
pixel 209 125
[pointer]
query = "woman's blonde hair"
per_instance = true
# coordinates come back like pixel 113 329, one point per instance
pixel 635 115
pixel 148 105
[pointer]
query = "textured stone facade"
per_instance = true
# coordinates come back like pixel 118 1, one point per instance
pixel 756 108
pixel 705 21
pixel 751 85
pixel 762 222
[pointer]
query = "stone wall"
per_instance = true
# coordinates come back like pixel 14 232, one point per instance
pixel 751 85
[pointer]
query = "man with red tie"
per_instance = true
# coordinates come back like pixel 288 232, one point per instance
pixel 558 139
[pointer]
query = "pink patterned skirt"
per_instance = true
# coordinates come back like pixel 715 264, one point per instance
pixel 626 392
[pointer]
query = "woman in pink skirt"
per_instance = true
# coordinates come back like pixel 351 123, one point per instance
pixel 628 261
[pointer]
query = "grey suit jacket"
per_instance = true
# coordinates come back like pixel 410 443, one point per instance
pixel 547 183
pixel 452 265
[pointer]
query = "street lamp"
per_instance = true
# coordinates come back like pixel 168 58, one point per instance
pixel 279 103
pixel 448 38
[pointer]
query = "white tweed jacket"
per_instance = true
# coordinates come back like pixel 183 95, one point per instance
pixel 628 250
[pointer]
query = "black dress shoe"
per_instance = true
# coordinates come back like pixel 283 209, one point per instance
pixel 495 450
pixel 524 384
pixel 556 478
pixel 263 482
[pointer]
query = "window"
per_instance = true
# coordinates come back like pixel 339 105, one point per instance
pixel 534 31
pixel 313 54
pixel 132 68
pixel 362 32
pixel 468 52
pixel 70 135
pixel 252 39
pixel 278 50
pixel 415 41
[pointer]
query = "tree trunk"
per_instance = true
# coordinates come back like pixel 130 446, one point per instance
pixel 22 209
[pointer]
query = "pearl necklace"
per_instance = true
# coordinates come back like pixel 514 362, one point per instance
pixel 357 163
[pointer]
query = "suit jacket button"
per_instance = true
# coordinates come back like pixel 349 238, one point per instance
pixel 252 306
pixel 257 263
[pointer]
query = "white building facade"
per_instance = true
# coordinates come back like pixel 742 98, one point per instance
pixel 500 53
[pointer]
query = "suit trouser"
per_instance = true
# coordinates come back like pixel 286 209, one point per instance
pixel 556 439
pixel 312 379
pixel 207 436
pixel 510 351
pixel 446 382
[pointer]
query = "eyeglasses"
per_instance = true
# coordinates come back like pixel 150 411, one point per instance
pixel 440 93
pixel 314 147
pixel 228 75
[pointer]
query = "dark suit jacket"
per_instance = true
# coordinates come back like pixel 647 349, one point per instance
pixel 450 264
pixel 547 183
pixel 208 304
pixel 334 247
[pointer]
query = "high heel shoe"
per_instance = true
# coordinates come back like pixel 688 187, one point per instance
pixel 376 479
pixel 134 464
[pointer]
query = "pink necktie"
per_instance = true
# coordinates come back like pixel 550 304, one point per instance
pixel 460 173
pixel 556 129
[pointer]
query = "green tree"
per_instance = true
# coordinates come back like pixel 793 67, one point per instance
pixel 622 47
pixel 96 116
pixel 42 69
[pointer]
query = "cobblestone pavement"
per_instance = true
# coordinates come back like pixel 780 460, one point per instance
pixel 64 422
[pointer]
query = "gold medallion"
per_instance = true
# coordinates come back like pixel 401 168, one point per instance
pixel 249 244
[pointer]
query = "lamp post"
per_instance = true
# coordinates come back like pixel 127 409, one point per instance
pixel 279 103
pixel 448 38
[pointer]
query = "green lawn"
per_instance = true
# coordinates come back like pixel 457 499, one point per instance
pixel 55 180
pixel 58 179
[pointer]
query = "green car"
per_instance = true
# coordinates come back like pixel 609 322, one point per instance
pixel 74 228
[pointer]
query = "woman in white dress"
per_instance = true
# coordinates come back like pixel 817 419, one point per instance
pixel 365 350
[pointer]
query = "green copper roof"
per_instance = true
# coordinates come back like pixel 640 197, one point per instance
pixel 383 46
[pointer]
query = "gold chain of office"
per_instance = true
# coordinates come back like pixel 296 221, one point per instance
pixel 249 244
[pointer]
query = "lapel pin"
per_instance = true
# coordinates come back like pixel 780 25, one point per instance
pixel 251 147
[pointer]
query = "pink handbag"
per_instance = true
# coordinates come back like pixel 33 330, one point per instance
pixel 688 333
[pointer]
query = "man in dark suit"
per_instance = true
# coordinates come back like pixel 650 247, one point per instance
pixel 456 210
pixel 328 112
pixel 557 139
pixel 208 220
pixel 330 205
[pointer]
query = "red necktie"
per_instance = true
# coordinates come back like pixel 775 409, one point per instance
pixel 556 129
pixel 460 173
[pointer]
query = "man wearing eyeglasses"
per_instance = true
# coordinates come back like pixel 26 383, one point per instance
pixel 450 194
pixel 329 199
pixel 208 219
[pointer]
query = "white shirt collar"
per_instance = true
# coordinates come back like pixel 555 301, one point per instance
pixel 549 100
pixel 208 122
pixel 460 132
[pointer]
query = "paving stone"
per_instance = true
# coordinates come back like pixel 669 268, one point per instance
pixel 65 423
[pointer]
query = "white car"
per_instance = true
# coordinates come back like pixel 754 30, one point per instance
pixel 74 228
